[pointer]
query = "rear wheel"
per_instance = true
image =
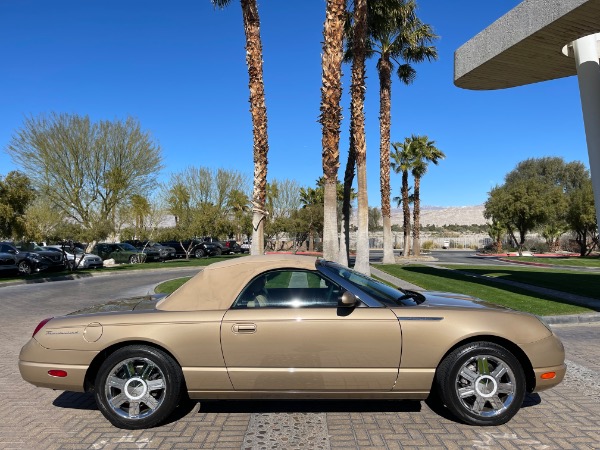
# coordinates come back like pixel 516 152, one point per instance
pixel 481 383
pixel 24 268
pixel 134 259
pixel 138 387
pixel 218 251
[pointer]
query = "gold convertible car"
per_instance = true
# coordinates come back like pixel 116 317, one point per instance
pixel 295 327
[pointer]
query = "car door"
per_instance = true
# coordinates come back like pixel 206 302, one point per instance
pixel 287 332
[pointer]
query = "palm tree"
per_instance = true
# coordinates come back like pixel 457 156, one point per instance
pixel 396 36
pixel 330 118
pixel 258 110
pixel 358 151
pixel 401 162
pixel 423 153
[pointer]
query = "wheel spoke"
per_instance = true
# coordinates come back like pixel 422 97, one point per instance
pixel 134 409
pixel 154 385
pixel 149 401
pixel 116 383
pixel 468 374
pixel 479 404
pixel 499 371
pixel 466 392
pixel 505 388
pixel 118 400
pixel 148 367
pixel 496 403
pixel 483 366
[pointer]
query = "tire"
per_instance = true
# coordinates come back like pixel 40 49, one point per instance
pixel 481 383
pixel 138 387
pixel 218 252
pixel 134 259
pixel 199 253
pixel 24 268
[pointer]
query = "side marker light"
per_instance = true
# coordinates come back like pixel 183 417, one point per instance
pixel 57 373
pixel 548 376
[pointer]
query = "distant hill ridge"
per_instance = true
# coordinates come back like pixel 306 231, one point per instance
pixel 445 215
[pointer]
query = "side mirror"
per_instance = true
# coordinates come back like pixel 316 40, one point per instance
pixel 348 300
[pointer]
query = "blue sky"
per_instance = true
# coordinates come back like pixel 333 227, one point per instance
pixel 179 67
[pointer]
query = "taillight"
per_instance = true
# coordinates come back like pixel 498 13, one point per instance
pixel 41 325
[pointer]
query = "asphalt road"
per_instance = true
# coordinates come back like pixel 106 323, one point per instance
pixel 564 417
pixel 446 256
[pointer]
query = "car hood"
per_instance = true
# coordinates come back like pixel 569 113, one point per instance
pixel 452 300
pixel 146 302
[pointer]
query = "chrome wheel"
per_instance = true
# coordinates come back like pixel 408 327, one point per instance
pixel 481 383
pixel 485 385
pixel 138 387
pixel 134 259
pixel 135 388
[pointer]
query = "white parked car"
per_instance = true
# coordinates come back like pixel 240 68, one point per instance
pixel 245 246
pixel 90 261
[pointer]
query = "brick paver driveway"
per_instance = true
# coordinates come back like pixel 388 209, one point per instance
pixel 567 417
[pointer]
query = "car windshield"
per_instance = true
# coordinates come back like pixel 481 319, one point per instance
pixel 128 247
pixel 381 292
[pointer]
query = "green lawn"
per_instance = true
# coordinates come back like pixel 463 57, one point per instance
pixel 589 261
pixel 145 266
pixel 448 280
pixel 586 284
pixel 170 286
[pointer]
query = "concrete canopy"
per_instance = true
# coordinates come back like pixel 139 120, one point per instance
pixel 525 45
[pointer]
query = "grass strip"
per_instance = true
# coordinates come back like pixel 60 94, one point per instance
pixel 586 261
pixel 586 284
pixel 170 286
pixel 435 279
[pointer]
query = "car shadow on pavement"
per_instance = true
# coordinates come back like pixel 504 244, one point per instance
pixel 310 406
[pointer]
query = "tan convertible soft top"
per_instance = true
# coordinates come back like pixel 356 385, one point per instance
pixel 219 284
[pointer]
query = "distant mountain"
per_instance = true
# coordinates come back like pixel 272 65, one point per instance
pixel 445 215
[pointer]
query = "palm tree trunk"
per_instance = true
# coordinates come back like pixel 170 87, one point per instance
pixel 358 117
pixel 416 218
pixel 258 111
pixel 384 67
pixel 406 214
pixel 348 179
pixel 331 116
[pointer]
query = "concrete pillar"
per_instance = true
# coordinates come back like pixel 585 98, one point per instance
pixel 588 73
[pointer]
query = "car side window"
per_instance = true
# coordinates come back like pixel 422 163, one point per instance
pixel 289 289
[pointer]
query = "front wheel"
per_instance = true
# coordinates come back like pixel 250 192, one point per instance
pixel 134 259
pixel 199 253
pixel 481 383
pixel 138 387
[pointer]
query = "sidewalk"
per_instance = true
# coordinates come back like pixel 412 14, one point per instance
pixel 579 300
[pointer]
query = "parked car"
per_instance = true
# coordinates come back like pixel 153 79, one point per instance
pixel 289 326
pixel 245 246
pixel 165 252
pixel 222 250
pixel 32 258
pixel 8 263
pixel 197 248
pixel 123 253
pixel 231 246
pixel 90 261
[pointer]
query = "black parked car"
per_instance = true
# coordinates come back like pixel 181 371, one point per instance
pixel 197 249
pixel 165 252
pixel 8 263
pixel 32 258
pixel 232 246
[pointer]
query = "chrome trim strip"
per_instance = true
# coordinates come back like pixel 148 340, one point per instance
pixel 421 318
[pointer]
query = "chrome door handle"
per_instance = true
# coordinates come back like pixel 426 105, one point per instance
pixel 244 328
